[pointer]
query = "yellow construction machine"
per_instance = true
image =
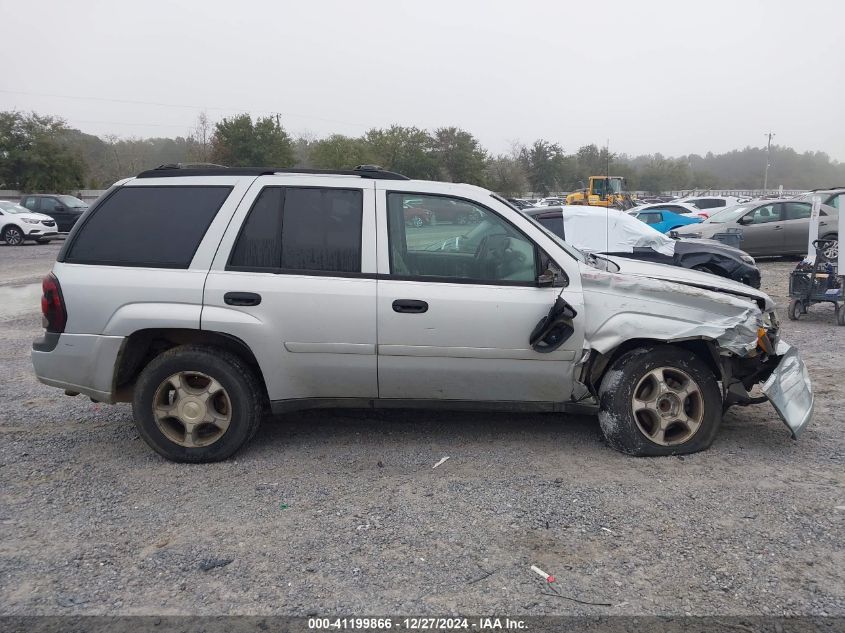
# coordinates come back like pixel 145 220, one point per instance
pixel 603 191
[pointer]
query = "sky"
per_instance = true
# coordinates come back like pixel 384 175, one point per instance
pixel 674 77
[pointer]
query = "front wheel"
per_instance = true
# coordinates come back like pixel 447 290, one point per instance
pixel 13 236
pixel 831 253
pixel 660 400
pixel 197 404
pixel 840 314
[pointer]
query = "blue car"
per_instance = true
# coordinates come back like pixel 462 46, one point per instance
pixel 665 221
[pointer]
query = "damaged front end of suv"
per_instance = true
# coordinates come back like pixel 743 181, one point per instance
pixel 732 328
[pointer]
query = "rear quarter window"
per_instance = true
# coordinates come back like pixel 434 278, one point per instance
pixel 156 227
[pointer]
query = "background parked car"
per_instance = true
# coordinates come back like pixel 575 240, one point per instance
pixel 771 227
pixel 613 232
pixel 444 210
pixel 65 210
pixel 18 224
pixel 711 203
pixel 833 197
pixel 681 208
pixel 664 220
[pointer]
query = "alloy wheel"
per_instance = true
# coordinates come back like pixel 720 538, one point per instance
pixel 13 236
pixel 192 409
pixel 668 406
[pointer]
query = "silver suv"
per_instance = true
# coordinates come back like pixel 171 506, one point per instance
pixel 210 297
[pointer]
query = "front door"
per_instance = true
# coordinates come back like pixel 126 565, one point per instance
pixel 457 303
pixel 762 230
pixel 57 211
pixel 299 287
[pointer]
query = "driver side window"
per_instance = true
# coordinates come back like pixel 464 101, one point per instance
pixel 450 238
pixel 765 214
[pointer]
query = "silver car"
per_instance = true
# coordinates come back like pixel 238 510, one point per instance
pixel 770 227
pixel 207 297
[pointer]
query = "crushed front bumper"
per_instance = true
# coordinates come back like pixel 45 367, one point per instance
pixel 789 389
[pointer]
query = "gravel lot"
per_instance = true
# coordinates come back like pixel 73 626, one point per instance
pixel 341 512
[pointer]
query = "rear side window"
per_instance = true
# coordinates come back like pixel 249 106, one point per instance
pixel 709 203
pixel 158 227
pixel 292 229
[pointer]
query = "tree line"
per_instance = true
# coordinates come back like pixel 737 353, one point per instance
pixel 42 153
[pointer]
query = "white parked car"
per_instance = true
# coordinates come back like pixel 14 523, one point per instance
pixel 710 204
pixel 18 224
pixel 208 296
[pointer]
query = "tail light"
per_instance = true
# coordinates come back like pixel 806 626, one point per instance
pixel 54 314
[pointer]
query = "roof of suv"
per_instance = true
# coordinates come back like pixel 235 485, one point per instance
pixel 177 170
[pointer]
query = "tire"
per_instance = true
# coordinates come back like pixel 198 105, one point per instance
pixel 13 236
pixel 416 221
pixel 196 368
pixel 675 422
pixel 840 315
pixel 795 309
pixel 832 252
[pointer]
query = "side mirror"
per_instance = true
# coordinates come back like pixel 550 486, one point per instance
pixel 744 220
pixel 551 279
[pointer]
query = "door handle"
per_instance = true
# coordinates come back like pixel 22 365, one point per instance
pixel 410 306
pixel 242 298
pixel 777 228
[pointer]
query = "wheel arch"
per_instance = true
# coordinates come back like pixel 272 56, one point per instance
pixel 142 346
pixel 598 364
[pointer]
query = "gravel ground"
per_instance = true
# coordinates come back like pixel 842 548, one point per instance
pixel 341 512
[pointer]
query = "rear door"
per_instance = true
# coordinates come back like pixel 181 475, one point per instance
pixel 294 278
pixel 762 230
pixel 457 305
pixel 796 226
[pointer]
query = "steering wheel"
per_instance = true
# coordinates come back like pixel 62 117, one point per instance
pixel 490 254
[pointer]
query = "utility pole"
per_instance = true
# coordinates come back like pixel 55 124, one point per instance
pixel 768 162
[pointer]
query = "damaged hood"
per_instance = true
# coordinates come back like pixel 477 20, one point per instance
pixel 693 278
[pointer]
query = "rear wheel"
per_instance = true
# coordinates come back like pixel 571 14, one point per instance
pixel 795 309
pixel 660 400
pixel 13 236
pixel 840 315
pixel 197 404
pixel 831 253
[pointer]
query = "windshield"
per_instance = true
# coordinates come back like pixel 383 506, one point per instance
pixel 71 202
pixel 11 207
pixel 728 214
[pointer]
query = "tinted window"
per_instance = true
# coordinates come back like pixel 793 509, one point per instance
pixel 650 218
pixel 555 225
pixel 259 245
pixel 709 204
pixel 160 227
pixel 836 201
pixel 31 203
pixel 50 204
pixel 473 244
pixel 307 229
pixel 321 229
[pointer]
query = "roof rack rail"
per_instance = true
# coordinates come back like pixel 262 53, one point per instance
pixel 209 169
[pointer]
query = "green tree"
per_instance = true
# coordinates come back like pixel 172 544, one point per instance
pixel 460 155
pixel 506 176
pixel 35 155
pixel 407 150
pixel 545 165
pixel 240 142
pixel 340 152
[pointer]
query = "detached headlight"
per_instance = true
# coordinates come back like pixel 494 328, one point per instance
pixel 31 220
pixel 747 259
